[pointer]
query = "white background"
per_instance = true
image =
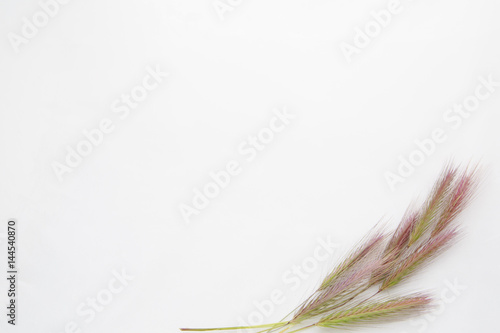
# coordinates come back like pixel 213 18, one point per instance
pixel 322 176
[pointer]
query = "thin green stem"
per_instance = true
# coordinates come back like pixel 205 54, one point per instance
pixel 286 329
pixel 234 328
pixel 278 326
pixel 303 328
pixel 291 312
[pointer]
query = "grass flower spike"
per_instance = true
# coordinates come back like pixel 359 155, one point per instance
pixel 377 311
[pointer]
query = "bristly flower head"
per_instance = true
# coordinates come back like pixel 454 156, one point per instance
pixel 434 204
pixel 377 311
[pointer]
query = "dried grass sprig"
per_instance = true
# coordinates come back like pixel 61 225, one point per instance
pixel 383 260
